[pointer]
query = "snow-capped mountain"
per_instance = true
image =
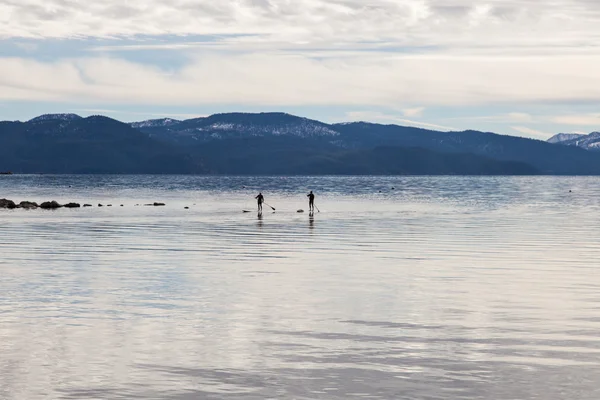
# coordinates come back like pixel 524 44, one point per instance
pixel 563 137
pixel 588 142
pixel 277 143
pixel 234 125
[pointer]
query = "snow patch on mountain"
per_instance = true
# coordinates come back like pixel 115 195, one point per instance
pixel 588 142
pixel 222 127
pixel 304 128
pixel 563 137
pixel 153 123
pixel 55 117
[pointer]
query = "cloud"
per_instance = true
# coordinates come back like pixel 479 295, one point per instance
pixel 581 119
pixel 510 117
pixel 529 24
pixel 272 78
pixel 376 116
pixel 413 112
pixel 519 117
pixel 532 133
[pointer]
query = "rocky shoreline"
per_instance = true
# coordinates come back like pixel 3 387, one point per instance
pixel 53 205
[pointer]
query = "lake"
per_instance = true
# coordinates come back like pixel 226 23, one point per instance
pixel 399 288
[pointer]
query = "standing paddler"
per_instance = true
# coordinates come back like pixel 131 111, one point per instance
pixel 311 202
pixel 260 199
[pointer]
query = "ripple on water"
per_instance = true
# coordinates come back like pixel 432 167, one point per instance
pixel 462 288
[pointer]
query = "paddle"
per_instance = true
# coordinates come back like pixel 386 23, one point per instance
pixel 270 206
pixel 316 208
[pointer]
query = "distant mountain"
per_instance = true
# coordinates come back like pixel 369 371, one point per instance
pixel 588 142
pixel 564 137
pixel 273 143
pixel 68 144
pixel 55 117
pixel 234 126
pixel 544 157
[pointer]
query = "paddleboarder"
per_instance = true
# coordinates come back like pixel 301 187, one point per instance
pixel 260 199
pixel 311 202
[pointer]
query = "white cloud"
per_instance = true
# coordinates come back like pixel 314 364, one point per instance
pixel 532 133
pixel 529 24
pixel 271 78
pixel 376 116
pixel 519 117
pixel 511 117
pixel 578 119
pixel 413 112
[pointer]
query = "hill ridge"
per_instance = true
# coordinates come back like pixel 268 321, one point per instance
pixel 226 142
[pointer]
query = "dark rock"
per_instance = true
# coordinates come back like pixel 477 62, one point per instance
pixel 109 205
pixel 5 203
pixel 159 204
pixel 72 205
pixel 100 205
pixel 50 205
pixel 121 205
pixel 187 208
pixel 87 205
pixel 28 205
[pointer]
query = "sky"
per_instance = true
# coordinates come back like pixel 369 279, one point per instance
pixel 517 67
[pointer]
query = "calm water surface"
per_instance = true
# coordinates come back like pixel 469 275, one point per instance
pixel 443 288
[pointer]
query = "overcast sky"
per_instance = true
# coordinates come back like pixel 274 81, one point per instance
pixel 517 67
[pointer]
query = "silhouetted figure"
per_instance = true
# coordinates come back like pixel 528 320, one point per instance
pixel 311 202
pixel 260 199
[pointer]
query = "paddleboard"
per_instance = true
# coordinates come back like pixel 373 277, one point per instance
pixel 246 211
pixel 300 211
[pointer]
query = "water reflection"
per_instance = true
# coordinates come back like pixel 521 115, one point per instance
pixel 426 292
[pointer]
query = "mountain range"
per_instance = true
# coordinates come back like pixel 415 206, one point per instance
pixel 274 143
pixel 588 142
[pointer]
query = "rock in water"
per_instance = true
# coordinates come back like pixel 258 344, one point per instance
pixel 5 203
pixel 72 205
pixel 87 205
pixel 28 205
pixel 100 205
pixel 50 205
pixel 300 211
